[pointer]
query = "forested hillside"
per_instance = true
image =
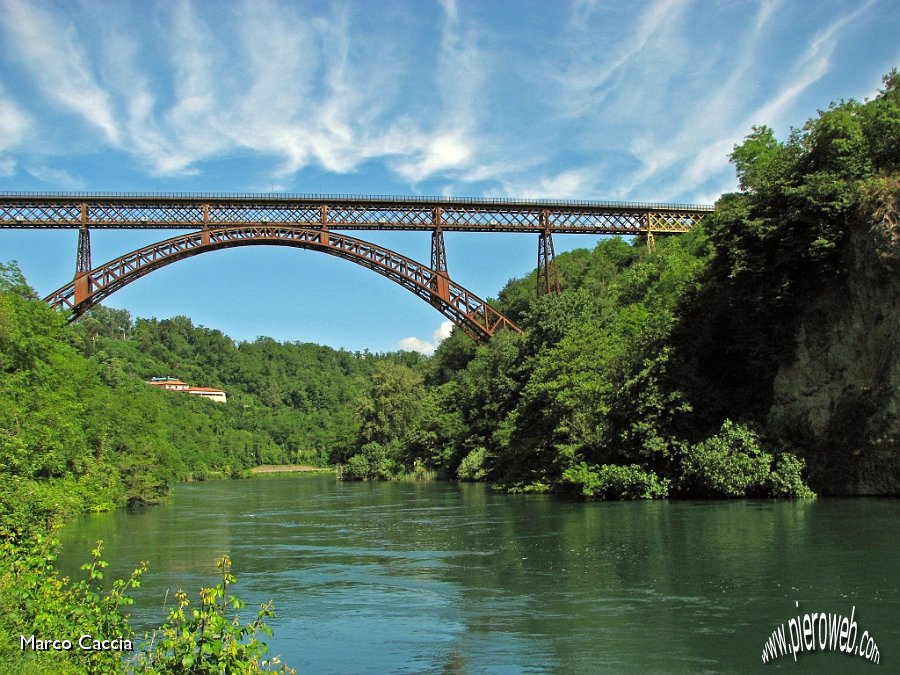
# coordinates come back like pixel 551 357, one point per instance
pixel 77 418
pixel 287 402
pixel 718 365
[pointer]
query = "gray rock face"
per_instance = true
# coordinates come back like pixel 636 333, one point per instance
pixel 840 396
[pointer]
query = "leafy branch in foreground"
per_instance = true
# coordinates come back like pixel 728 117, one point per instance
pixel 205 639
pixel 38 605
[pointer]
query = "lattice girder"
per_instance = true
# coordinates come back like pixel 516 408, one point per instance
pixel 22 210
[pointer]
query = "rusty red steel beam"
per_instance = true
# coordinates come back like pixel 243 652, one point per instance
pixel 472 314
pixel 342 212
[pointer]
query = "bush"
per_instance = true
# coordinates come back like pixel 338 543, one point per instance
pixel 613 481
pixel 729 464
pixel 733 464
pixel 472 467
pixel 206 640
pixel 37 602
pixel 370 463
pixel 786 479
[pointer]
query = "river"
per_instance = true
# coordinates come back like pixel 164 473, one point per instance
pixel 454 578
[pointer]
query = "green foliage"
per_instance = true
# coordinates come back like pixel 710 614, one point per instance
pixel 783 237
pixel 612 481
pixel 729 464
pixel 374 461
pixel 402 428
pixel 205 639
pixel 34 600
pixel 289 402
pixel 13 281
pixel 391 403
pixel 734 463
pixel 622 386
pixel 786 478
pixel 472 466
pixel 754 158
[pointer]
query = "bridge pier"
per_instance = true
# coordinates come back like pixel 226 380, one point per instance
pixel 204 230
pixel 83 255
pixel 547 272
pixel 83 261
pixel 83 258
pixel 440 286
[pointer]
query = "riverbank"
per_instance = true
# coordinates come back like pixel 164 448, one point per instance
pixel 290 468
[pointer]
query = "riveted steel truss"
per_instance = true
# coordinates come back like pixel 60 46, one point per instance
pixel 29 210
pixel 472 314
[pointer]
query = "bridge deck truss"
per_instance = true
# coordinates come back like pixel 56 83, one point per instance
pixel 345 213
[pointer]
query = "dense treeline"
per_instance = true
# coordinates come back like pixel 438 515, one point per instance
pixel 287 402
pixel 652 373
pixel 75 408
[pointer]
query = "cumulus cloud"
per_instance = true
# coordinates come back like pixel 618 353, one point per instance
pixel 414 344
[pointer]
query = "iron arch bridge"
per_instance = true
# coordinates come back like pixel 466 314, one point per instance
pixel 472 314
pixel 218 221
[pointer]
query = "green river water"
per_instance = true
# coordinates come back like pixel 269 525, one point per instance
pixel 454 578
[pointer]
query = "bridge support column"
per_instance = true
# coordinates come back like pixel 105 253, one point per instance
pixel 440 284
pixel 547 273
pixel 83 258
pixel 647 230
pixel 204 232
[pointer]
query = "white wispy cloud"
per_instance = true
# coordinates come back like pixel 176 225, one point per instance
pixel 812 65
pixel 620 100
pixel 568 184
pixel 449 145
pixel 598 70
pixel 688 98
pixel 60 66
pixel 54 176
pixel 14 122
pixel 14 125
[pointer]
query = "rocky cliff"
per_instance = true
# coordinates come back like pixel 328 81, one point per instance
pixel 839 398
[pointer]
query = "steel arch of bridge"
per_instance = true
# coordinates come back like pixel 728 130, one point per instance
pixel 465 309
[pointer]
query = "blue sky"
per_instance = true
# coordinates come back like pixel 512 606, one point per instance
pixel 638 101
